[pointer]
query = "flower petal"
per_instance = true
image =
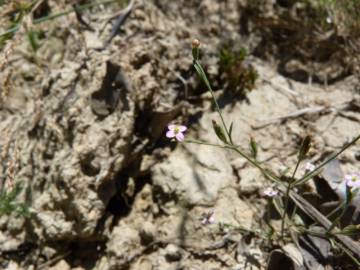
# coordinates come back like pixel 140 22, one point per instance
pixel 348 177
pixel 182 128
pixel 353 183
pixel 350 183
pixel 180 137
pixel 170 134
pixel 270 192
pixel 309 166
pixel 211 220
pixel 357 184
pixel 171 127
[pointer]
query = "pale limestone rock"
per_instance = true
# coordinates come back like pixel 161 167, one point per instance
pixel 61 265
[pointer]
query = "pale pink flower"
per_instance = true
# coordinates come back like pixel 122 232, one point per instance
pixel 270 192
pixel 208 218
pixel 309 167
pixel 176 131
pixel 353 180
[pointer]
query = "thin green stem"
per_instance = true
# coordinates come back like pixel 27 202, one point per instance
pixel 348 253
pixel 293 212
pixel 315 233
pixel 202 74
pixel 345 207
pixel 268 217
pixel 309 175
pixel 286 204
pixel 208 144
pixel 59 14
pixel 328 216
pixel 77 8
pixel 10 30
pixel 265 172
pixel 296 168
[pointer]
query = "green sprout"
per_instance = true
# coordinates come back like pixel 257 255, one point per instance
pixel 8 202
pixel 238 77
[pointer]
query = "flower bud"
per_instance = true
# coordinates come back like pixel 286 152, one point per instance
pixel 195 43
pixel 219 132
pixel 305 147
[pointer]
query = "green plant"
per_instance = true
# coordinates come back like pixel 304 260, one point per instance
pixel 8 202
pixel 290 221
pixel 237 76
pixel 10 190
pixel 34 37
pixel 16 24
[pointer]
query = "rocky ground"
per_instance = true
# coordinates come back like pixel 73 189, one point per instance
pixel 107 189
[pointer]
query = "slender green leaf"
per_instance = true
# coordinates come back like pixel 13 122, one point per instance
pixel 253 147
pixel 219 132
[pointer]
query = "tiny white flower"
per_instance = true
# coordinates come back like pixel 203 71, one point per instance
pixel 270 192
pixel 176 131
pixel 309 167
pixel 353 180
pixel 208 218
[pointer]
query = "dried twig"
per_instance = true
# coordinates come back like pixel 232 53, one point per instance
pixel 282 89
pixel 123 15
pixel 11 169
pixel 80 18
pixel 50 262
pixel 301 112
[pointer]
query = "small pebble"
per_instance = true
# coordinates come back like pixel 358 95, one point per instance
pixel 172 253
pixel 147 233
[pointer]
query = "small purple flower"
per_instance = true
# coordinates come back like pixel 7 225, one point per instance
pixel 176 131
pixel 309 167
pixel 270 192
pixel 208 218
pixel 353 180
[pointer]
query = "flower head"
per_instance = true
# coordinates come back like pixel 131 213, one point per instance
pixel 208 218
pixel 270 192
pixel 195 43
pixel 353 180
pixel 309 167
pixel 176 131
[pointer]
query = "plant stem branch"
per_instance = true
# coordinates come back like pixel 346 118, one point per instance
pixel 203 76
pixel 286 204
pixel 59 14
pixel 309 175
pixel 235 148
